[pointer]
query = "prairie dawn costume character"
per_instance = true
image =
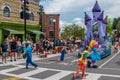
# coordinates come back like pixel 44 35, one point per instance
pixel 82 62
pixel 95 53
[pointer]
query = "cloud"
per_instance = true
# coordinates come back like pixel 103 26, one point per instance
pixel 57 6
pixel 79 21
pixel 63 23
pixel 112 11
pixel 61 6
pixel 72 11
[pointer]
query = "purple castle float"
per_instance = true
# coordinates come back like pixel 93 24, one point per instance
pixel 97 20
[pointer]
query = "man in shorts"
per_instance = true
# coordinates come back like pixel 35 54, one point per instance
pixel 4 48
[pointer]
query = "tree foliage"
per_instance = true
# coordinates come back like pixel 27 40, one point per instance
pixel 73 31
pixel 115 22
pixel 109 26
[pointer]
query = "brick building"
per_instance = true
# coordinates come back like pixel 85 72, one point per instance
pixel 12 23
pixel 52 28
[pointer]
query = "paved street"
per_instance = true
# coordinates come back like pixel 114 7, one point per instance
pixel 51 69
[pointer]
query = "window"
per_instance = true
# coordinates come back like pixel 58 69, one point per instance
pixel 51 20
pixel 31 17
pixel 51 34
pixel 6 12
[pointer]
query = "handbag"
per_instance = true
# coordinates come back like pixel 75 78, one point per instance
pixel 24 55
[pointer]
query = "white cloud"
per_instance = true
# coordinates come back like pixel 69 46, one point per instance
pixel 63 23
pixel 113 11
pixel 57 6
pixel 79 21
pixel 60 6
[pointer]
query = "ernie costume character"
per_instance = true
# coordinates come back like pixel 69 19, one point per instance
pixel 82 62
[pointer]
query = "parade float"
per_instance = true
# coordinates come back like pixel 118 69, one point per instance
pixel 96 31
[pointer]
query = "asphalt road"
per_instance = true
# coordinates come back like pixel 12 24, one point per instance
pixel 52 69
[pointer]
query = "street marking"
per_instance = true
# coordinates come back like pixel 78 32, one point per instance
pixel 13 78
pixel 45 62
pixel 92 77
pixel 63 63
pixel 111 69
pixel 30 73
pixel 61 74
pixel 68 57
pixel 109 59
pixel 75 60
pixel 58 76
pixel 11 69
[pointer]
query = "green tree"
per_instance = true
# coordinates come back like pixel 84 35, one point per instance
pixel 118 28
pixel 115 22
pixel 109 26
pixel 73 31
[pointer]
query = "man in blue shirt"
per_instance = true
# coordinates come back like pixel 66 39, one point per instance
pixel 4 48
pixel 28 52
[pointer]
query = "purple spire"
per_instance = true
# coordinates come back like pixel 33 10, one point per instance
pixel 100 17
pixel 87 17
pixel 96 7
pixel 105 21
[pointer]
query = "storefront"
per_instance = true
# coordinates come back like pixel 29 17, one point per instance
pixel 15 29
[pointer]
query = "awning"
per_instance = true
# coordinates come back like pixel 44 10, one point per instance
pixel 11 31
pixel 36 32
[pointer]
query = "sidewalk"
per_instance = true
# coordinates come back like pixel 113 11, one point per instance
pixel 34 58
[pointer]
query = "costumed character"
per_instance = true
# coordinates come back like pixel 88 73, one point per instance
pixel 82 62
pixel 95 53
pixel 63 52
pixel 28 52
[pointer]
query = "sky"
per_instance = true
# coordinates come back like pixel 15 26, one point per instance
pixel 72 11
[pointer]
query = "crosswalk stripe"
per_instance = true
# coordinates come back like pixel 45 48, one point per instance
pixel 92 77
pixel 58 75
pixel 30 73
pixel 10 69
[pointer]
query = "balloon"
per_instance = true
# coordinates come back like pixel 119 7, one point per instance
pixel 92 43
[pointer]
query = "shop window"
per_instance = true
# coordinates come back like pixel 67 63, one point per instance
pixel 6 12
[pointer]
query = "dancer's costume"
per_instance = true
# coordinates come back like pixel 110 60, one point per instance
pixel 82 62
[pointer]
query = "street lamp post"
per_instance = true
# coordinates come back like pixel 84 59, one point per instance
pixel 25 16
pixel 54 21
pixel 40 16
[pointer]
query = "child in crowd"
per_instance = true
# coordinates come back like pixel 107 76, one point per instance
pixel 116 47
pixel 82 63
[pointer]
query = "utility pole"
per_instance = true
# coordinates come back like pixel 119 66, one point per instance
pixel 25 15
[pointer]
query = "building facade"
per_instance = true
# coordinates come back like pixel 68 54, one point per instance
pixel 12 20
pixel 51 26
